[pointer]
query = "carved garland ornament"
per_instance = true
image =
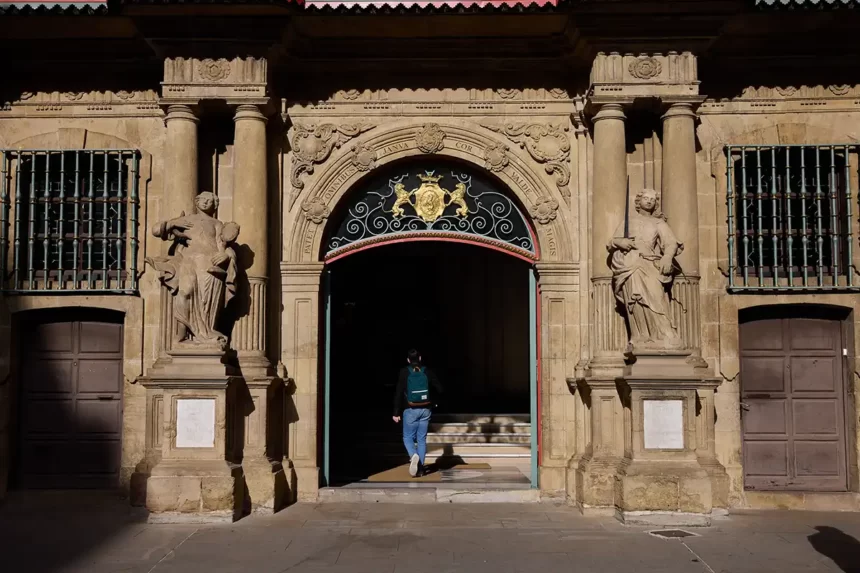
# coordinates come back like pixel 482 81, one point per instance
pixel 214 70
pixel 645 68
pixel 312 145
pixel 547 144
pixel 431 139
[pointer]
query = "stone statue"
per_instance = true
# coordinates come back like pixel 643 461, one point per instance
pixel 642 259
pixel 200 271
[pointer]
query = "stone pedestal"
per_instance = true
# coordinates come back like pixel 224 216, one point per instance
pixel 265 480
pixel 195 481
pixel 663 481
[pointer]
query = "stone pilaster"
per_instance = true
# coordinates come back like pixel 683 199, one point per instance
pixel 300 354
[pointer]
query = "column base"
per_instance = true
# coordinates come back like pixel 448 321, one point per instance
pixel 664 493
pixel 266 485
pixel 720 482
pixel 195 491
pixel 595 485
pixel 307 484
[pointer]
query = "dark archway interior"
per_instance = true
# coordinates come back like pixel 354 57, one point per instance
pixel 464 307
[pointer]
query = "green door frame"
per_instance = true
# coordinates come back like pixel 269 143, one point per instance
pixel 534 376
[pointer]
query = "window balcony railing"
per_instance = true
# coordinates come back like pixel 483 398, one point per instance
pixel 790 217
pixel 68 220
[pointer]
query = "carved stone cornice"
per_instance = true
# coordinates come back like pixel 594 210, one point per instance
pixel 82 102
pixel 439 102
pixel 788 99
pixel 548 144
pixel 238 81
pixel 617 78
pixel 312 145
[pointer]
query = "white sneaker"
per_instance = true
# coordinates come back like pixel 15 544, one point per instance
pixel 413 465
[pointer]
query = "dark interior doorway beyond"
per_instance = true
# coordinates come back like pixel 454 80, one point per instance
pixel 464 307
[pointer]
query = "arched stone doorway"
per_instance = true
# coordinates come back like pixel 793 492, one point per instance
pixel 431 254
pixel 313 210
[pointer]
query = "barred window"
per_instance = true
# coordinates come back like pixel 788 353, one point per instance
pixel 73 219
pixel 789 216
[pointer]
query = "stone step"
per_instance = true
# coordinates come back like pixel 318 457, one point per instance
pixel 416 495
pixel 473 438
pixel 480 427
pixel 481 418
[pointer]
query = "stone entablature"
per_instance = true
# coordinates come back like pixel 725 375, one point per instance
pixel 440 102
pixel 91 103
pixel 788 99
pixel 624 78
pixel 237 81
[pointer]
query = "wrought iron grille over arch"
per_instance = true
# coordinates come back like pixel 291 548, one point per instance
pixel 431 200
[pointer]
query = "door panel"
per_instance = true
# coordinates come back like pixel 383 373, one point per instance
pixel 71 392
pixel 792 395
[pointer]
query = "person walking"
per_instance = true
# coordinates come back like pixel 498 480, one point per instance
pixel 416 388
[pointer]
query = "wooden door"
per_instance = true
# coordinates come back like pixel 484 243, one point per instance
pixel 71 415
pixel 792 405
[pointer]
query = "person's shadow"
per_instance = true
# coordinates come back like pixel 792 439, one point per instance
pixel 840 547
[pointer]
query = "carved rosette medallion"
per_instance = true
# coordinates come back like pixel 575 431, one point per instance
pixel 315 210
pixel 363 157
pixel 547 144
pixel 645 68
pixel 431 139
pixel 312 145
pixel 496 156
pixel 544 210
pixel 214 70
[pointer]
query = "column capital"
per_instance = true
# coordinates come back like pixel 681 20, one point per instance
pixel 181 112
pixel 680 109
pixel 247 111
pixel 610 111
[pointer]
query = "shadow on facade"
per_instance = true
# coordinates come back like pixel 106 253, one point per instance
pixel 839 547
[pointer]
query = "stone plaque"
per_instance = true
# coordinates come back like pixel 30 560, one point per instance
pixel 664 424
pixel 195 423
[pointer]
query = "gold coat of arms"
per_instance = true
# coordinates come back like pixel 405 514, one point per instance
pixel 430 200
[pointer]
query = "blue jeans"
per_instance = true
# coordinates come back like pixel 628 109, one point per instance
pixel 415 423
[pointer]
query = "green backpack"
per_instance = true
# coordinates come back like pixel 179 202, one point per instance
pixel 417 388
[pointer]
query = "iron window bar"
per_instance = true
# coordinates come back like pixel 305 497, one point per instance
pixel 790 217
pixel 74 217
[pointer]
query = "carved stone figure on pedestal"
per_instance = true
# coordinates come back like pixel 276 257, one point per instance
pixel 200 271
pixel 642 259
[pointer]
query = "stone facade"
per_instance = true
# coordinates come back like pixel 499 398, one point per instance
pixel 573 154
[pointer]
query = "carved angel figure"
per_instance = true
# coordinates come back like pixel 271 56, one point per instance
pixel 200 270
pixel 643 268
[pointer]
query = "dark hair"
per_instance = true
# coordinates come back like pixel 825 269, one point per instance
pixel 414 358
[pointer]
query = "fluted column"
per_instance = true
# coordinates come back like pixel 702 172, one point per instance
pixel 609 335
pixel 250 211
pixel 681 207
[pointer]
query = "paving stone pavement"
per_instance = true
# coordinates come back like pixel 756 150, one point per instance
pixel 97 533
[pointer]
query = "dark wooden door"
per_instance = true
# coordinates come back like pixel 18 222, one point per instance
pixel 792 405
pixel 71 415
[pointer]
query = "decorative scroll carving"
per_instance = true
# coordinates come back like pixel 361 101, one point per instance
pixel 351 95
pixel 363 157
pixel 547 144
pixel 558 93
pixel 315 210
pixel 431 139
pixel 200 272
pixel 508 93
pixel 642 259
pixel 467 206
pixel 544 210
pixel 496 156
pixel 88 98
pixel 645 68
pixel 313 145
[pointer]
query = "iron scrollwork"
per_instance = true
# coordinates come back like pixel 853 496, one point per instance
pixel 432 203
